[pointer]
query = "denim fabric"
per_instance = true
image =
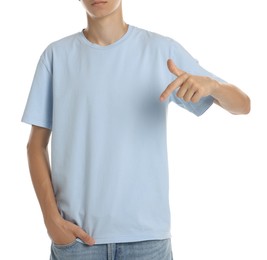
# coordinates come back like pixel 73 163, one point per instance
pixel 144 250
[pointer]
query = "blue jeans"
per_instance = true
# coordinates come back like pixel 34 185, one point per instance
pixel 144 250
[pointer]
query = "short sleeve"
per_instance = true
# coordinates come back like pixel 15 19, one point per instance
pixel 187 63
pixel 38 110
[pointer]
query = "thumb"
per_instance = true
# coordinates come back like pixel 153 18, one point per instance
pixel 80 233
pixel 173 69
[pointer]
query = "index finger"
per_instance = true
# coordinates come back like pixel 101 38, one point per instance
pixel 173 85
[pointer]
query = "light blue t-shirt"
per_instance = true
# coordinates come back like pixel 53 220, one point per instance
pixel 108 148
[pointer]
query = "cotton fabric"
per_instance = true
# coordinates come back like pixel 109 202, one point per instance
pixel 108 148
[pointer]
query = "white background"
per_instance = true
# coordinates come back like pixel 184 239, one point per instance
pixel 217 162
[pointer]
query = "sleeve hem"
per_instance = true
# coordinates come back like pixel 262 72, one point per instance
pixel 203 109
pixel 39 123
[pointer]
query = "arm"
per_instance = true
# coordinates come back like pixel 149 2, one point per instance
pixel 230 98
pixel 193 88
pixel 60 230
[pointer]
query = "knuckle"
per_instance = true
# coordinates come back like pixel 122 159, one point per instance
pixel 190 80
pixel 187 76
pixel 187 99
pixel 200 92
pixel 77 231
pixel 194 88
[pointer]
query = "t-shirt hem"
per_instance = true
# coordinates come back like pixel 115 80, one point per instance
pixel 128 239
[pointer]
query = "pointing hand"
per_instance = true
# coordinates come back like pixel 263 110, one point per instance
pixel 188 87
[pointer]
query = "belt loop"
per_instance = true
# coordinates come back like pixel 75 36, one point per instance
pixel 111 251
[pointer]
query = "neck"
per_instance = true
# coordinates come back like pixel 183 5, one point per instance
pixel 105 30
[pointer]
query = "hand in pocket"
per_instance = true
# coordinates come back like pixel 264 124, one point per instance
pixel 63 232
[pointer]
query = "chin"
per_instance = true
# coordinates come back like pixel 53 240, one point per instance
pixel 99 14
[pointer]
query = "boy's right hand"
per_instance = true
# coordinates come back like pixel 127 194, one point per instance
pixel 63 232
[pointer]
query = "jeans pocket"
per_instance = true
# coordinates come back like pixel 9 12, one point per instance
pixel 59 246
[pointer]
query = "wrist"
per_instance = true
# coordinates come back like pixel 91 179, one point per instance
pixel 53 219
pixel 215 88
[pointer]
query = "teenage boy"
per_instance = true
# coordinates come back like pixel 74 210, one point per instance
pixel 104 93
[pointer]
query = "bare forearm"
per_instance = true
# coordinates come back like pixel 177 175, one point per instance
pixel 41 178
pixel 231 98
pixel 60 230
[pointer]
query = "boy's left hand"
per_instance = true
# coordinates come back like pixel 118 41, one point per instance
pixel 189 87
